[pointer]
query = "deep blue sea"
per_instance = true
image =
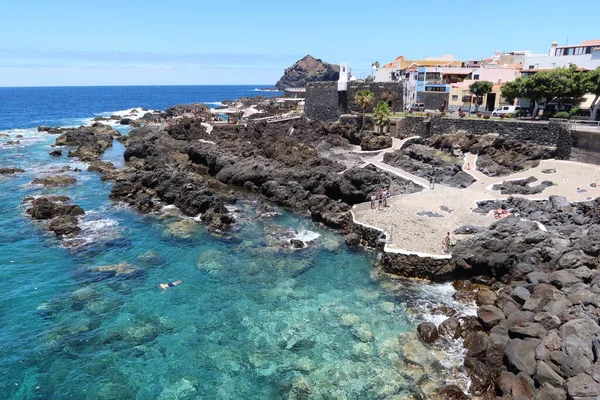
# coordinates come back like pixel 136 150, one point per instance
pixel 251 320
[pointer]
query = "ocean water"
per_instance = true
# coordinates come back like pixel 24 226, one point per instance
pixel 83 318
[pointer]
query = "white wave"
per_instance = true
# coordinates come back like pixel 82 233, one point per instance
pixel 306 236
pixel 94 228
pixel 214 103
pixel 266 90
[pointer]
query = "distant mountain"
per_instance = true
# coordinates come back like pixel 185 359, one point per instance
pixel 308 69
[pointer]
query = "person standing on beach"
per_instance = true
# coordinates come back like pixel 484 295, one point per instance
pixel 384 195
pixel 373 198
pixel 446 243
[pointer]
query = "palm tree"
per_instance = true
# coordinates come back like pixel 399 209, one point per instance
pixel 381 115
pixel 364 99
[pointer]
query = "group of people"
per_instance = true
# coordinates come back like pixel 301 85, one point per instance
pixel 380 198
pixel 500 213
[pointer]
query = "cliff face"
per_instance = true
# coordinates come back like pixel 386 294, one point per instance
pixel 308 69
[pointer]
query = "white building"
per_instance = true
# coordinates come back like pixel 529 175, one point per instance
pixel 584 55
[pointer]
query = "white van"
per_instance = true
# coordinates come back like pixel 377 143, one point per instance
pixel 505 110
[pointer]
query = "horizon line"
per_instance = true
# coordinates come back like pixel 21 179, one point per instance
pixel 258 86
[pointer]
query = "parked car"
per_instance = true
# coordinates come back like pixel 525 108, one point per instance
pixel 505 110
pixel 417 107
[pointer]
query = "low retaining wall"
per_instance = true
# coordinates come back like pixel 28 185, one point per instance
pixel 414 266
pixel 553 134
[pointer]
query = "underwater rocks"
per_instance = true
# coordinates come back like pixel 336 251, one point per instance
pixel 11 171
pixel 62 217
pixel 55 181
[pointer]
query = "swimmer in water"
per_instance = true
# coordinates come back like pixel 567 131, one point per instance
pixel 165 286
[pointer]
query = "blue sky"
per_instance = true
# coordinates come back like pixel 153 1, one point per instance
pixel 68 42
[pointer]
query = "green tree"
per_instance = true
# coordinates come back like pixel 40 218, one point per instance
pixel 480 89
pixel 381 115
pixel 364 99
pixel 592 85
pixel 560 85
pixel 513 90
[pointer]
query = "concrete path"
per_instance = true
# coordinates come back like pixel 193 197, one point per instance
pixel 417 223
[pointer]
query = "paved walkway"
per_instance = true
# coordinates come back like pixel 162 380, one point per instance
pixel 417 223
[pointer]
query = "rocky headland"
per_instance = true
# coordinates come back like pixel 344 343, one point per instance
pixel 308 69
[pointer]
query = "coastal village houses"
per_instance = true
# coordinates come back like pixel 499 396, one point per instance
pixel 444 81
pixel 586 56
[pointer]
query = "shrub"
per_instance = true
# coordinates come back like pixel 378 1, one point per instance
pixel 443 113
pixel 562 115
pixel 502 116
pixel 462 115
pixel 520 113
pixel 486 116
pixel 410 111
pixel 479 114
pixel 574 111
pixel 511 115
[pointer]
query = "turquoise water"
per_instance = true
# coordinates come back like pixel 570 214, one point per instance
pixel 251 320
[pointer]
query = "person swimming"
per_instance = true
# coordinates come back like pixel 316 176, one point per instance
pixel 165 286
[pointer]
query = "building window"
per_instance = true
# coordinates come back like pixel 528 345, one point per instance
pixel 579 51
pixel 532 67
pixel 559 52
pixel 421 77
pixel 433 76
pixel 476 77
pixel 435 88
pixel 454 97
pixel 588 50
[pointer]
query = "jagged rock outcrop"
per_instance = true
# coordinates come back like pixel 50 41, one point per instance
pixel 62 217
pixel 308 69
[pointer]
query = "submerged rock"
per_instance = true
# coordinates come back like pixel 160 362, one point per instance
pixel 55 181
pixel 11 171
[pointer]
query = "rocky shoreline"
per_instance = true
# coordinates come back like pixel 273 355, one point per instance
pixel 537 288
pixel 533 275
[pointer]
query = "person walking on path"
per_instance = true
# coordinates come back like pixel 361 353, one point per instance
pixel 431 182
pixel 446 243
pixel 380 201
pixel 384 195
pixel 373 198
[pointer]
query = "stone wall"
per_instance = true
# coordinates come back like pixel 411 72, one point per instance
pixel 433 100
pixel 544 133
pixel 324 103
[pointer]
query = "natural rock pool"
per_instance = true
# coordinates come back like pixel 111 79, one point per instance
pixel 84 318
